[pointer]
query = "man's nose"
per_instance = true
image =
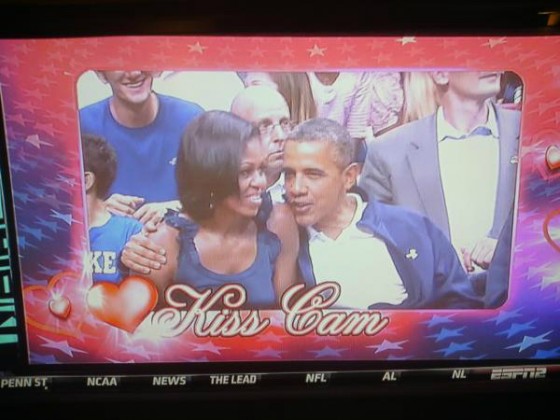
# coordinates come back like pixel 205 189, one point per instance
pixel 278 135
pixel 297 186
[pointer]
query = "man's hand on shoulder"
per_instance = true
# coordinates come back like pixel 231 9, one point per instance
pixel 141 254
pixel 123 205
pixel 154 212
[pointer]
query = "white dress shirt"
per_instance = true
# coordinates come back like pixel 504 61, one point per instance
pixel 469 173
pixel 359 262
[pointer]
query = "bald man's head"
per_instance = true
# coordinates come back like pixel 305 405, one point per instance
pixel 255 101
pixel 267 109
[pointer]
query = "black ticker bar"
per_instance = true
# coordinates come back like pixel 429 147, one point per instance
pixel 298 382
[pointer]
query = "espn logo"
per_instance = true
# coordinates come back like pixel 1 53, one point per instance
pixel 518 373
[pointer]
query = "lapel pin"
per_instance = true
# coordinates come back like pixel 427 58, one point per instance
pixel 412 254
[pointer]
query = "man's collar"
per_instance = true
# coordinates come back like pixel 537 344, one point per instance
pixel 316 234
pixel 444 129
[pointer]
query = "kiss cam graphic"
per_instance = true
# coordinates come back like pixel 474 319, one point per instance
pixel 70 320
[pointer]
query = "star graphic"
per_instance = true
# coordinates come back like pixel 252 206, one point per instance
pixel 437 320
pixel 529 341
pixel 316 50
pixel 549 280
pixel 406 40
pixel 287 52
pixel 547 354
pixel 36 233
pixel 48 359
pixel 257 52
pixel 62 346
pixel 34 140
pixel 67 218
pixel 209 347
pixel 504 316
pixel 447 333
pixel 492 42
pixel 139 351
pixel 387 345
pixel 516 328
pixel 196 48
pixel 268 352
pixel 455 348
pixel 328 352
pixel 227 50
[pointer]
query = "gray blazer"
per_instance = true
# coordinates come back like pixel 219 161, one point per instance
pixel 402 167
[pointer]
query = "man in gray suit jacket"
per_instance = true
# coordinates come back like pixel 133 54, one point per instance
pixel 418 165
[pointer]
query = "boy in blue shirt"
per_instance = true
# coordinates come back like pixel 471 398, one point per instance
pixel 108 233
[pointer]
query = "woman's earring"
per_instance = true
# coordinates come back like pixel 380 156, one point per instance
pixel 211 204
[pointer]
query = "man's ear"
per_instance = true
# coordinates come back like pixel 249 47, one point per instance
pixel 101 76
pixel 350 175
pixel 441 78
pixel 89 180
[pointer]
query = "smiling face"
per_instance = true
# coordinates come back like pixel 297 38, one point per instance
pixel 252 181
pixel 130 87
pixel 315 184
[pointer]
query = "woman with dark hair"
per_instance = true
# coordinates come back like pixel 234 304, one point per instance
pixel 218 239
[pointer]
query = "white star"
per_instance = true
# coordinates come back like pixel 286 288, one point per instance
pixel 209 346
pixel 316 50
pixel 492 42
pixel 36 141
pixel 63 346
pixel 198 48
pixel 406 40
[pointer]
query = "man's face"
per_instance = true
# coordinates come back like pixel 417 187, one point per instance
pixel 475 85
pixel 315 185
pixel 131 87
pixel 269 116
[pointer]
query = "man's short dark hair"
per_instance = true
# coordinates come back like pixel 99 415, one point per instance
pixel 329 131
pixel 208 161
pixel 100 159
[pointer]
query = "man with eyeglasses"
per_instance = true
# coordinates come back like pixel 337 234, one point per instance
pixel 267 109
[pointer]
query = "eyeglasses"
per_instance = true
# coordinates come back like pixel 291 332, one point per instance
pixel 266 127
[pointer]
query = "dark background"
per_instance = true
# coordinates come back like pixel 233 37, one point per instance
pixel 68 18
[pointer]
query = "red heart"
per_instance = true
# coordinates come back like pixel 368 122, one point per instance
pixel 123 305
pixel 546 229
pixel 552 157
pixel 40 314
pixel 60 307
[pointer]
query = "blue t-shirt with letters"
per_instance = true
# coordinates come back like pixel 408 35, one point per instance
pixel 106 245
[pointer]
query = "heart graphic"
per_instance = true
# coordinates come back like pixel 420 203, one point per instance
pixel 552 157
pixel 546 229
pixel 45 306
pixel 123 305
pixel 60 307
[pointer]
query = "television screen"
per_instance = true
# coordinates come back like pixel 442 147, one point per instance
pixel 212 212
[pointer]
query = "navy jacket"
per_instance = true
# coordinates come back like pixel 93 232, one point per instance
pixel 424 258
